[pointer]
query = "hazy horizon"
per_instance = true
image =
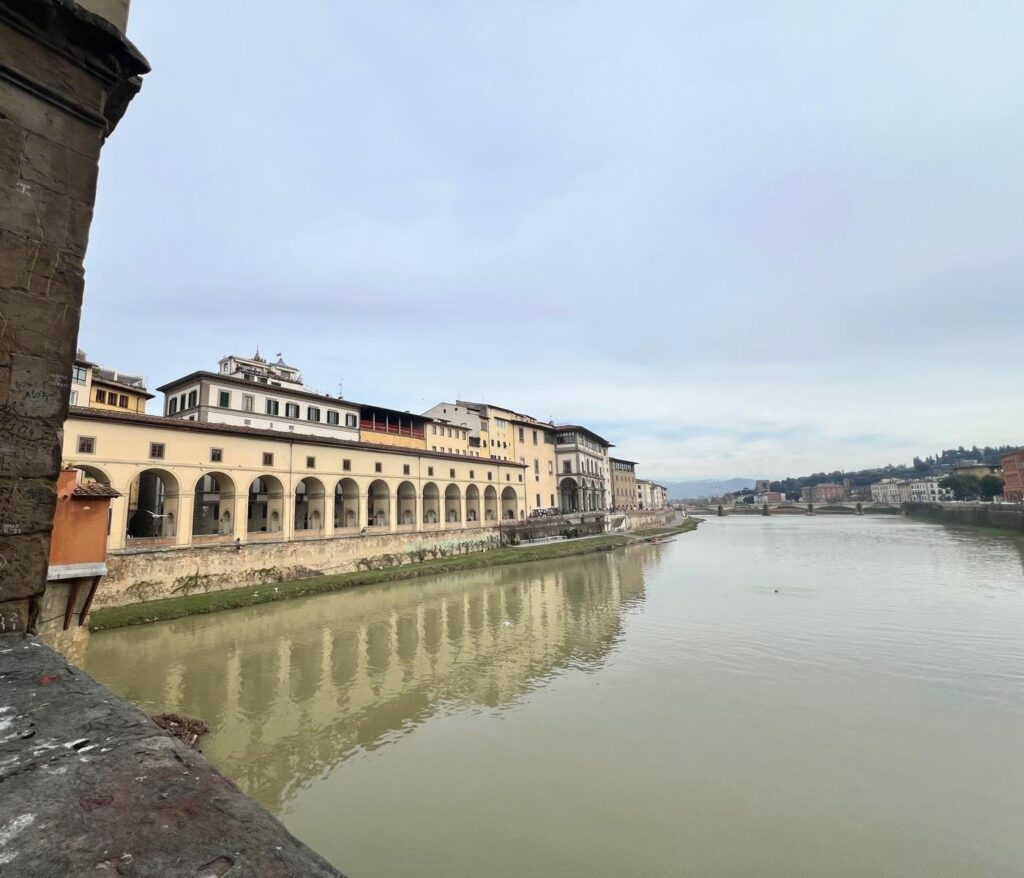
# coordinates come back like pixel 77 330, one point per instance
pixel 771 239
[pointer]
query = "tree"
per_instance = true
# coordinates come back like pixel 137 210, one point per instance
pixel 920 467
pixel 963 487
pixel 990 487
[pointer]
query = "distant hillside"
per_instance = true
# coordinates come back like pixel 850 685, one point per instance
pixel 705 487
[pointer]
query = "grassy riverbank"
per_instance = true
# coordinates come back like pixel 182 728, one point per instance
pixel 211 602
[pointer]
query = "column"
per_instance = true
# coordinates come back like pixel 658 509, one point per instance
pixel 240 514
pixel 462 510
pixel 328 513
pixel 183 519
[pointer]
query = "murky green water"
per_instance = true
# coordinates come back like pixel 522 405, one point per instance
pixel 766 697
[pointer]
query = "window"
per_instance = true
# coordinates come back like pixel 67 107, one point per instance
pixel 332 417
pixel 551 468
pixel 248 402
pixel 224 399
pixel 508 477
pixel 172 405
pixel 216 455
pixel 313 414
pixel 101 395
pixel 346 465
pixel 451 473
pixel 522 435
pixel 490 475
pixel 433 429
pixel 405 469
pixel 351 421
pixel 552 499
pixel 472 474
pixel 449 432
pixel 183 402
pixel 273 407
pixel 520 477
pixel 291 409
pixel 430 470
pixel 567 466
pixel 74 397
pixel 536 465
pixel 156 450
pixel 78 374
pixel 535 442
pixel 378 467
pixel 268 458
pixel 193 398
pixel 310 463
pixel 538 499
pixel 86 445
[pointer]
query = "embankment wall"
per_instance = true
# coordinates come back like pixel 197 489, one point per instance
pixel 977 515
pixel 136 575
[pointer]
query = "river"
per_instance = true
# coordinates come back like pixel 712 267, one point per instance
pixel 785 696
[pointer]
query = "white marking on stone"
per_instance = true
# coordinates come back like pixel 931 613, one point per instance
pixel 10 830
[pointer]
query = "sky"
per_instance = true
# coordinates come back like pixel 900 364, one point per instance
pixel 750 239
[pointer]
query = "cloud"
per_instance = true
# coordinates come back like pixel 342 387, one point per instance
pixel 772 241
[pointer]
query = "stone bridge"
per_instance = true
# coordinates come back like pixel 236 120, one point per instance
pixel 847 507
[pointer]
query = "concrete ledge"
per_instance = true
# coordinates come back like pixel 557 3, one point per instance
pixel 90 785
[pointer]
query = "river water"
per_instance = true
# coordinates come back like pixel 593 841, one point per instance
pixel 785 696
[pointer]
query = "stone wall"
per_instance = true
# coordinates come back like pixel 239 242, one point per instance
pixel 66 76
pixel 150 574
pixel 136 575
pixel 1004 517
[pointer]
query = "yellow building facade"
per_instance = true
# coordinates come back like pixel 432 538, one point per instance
pixel 187 482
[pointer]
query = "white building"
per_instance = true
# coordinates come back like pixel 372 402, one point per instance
pixel 897 491
pixel 584 469
pixel 251 392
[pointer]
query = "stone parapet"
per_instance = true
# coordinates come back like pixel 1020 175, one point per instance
pixel 91 786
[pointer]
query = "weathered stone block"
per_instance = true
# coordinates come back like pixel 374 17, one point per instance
pixel 23 564
pixel 26 506
pixel 32 321
pixel 42 269
pixel 57 168
pixel 14 615
pixel 50 122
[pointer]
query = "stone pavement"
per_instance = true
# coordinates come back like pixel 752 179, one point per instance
pixel 89 785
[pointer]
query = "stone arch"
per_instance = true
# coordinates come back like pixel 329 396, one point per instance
pixel 378 504
pixel 266 505
pixel 452 504
pixel 88 474
pixel 509 503
pixel 431 504
pixel 490 504
pixel 153 505
pixel 406 503
pixel 568 492
pixel 309 504
pixel 346 504
pixel 472 503
pixel 213 505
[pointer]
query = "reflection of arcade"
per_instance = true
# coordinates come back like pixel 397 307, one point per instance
pixel 292 688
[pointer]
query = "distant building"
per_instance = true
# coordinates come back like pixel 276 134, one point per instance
pixel 100 387
pixel 769 496
pixel 824 493
pixel 897 491
pixel 659 496
pixel 623 483
pixel 1013 476
pixel 975 468
pixel 762 486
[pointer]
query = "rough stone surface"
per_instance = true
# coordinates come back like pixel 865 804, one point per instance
pixel 90 785
pixel 68 77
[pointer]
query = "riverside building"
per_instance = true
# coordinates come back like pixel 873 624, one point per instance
pixel 896 491
pixel 504 434
pixel 623 473
pixel 582 462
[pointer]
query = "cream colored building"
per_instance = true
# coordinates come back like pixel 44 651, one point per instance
pixel 503 434
pixel 101 387
pixel 188 482
pixel 582 461
pixel 623 474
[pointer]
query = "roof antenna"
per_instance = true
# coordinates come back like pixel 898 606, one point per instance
pixel 341 389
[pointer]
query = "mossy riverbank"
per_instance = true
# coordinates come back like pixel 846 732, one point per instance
pixel 211 602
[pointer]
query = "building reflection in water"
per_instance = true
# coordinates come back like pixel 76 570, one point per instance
pixel 291 689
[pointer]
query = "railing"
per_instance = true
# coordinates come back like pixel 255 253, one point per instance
pixel 392 429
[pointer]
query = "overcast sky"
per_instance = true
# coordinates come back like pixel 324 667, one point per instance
pixel 738 239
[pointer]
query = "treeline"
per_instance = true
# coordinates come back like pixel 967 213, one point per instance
pixel 939 464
